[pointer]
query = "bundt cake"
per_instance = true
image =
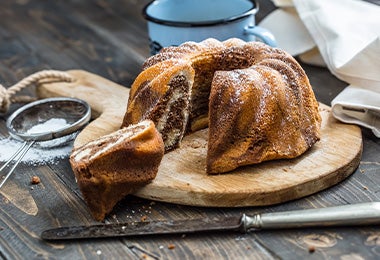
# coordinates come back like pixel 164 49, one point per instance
pixel 256 100
pixel 109 168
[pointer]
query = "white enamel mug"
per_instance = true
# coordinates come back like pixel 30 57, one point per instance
pixel 172 22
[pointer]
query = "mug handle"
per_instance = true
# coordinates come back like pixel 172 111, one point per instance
pixel 266 36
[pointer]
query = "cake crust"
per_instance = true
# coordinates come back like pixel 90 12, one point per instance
pixel 256 100
pixel 115 165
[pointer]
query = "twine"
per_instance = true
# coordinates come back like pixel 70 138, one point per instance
pixel 7 95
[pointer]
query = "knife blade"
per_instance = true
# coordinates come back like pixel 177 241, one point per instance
pixel 346 215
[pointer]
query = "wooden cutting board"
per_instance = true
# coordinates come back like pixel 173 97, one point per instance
pixel 182 178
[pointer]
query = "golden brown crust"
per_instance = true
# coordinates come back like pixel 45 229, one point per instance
pixel 122 165
pixel 244 116
pixel 265 120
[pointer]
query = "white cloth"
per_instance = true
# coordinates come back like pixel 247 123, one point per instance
pixel 347 36
pixel 358 106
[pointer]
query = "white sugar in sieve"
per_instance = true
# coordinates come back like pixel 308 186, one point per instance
pixel 60 116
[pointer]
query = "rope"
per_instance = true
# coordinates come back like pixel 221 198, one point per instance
pixel 6 95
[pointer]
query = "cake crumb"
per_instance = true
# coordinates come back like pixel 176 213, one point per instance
pixel 195 145
pixel 311 249
pixel 171 246
pixel 35 180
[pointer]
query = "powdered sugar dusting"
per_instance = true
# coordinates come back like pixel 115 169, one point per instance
pixel 50 125
pixel 41 153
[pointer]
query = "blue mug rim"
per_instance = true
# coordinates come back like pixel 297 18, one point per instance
pixel 230 19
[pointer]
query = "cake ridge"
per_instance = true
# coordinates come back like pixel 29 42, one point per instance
pixel 215 93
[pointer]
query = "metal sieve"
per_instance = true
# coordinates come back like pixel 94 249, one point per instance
pixel 76 113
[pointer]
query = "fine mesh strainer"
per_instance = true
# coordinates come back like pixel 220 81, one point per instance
pixel 70 115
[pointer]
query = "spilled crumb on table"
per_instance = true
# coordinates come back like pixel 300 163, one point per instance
pixel 35 180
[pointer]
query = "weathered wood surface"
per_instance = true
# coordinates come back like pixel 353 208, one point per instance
pixel 109 38
pixel 181 177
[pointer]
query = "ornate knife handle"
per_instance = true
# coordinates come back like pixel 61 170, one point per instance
pixel 346 215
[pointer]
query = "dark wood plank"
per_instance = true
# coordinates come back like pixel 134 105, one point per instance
pixel 109 38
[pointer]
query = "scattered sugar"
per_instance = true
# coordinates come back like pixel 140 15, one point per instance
pixel 47 152
pixel 38 154
pixel 240 238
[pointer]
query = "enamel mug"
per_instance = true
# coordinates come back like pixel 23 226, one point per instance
pixel 172 22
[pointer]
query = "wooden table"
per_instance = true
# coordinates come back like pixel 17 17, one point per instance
pixel 109 38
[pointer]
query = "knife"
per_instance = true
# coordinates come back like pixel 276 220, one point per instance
pixel 346 215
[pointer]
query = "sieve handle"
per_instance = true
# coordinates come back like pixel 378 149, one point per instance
pixel 20 153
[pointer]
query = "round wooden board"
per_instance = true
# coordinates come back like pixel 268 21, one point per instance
pixel 182 177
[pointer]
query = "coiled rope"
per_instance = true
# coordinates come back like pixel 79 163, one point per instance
pixel 7 96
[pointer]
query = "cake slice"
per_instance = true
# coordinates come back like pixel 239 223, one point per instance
pixel 113 166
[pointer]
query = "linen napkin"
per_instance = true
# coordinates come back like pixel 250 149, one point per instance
pixel 346 37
